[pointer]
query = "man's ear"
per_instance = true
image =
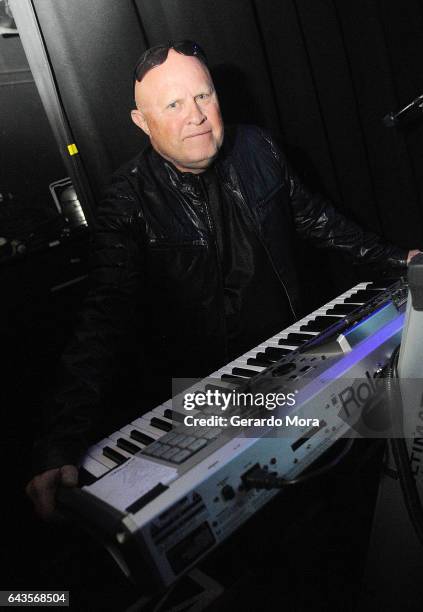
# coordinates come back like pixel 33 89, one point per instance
pixel 139 119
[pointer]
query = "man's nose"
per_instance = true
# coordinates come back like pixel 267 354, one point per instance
pixel 196 114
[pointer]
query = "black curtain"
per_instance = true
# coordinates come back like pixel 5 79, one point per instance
pixel 320 74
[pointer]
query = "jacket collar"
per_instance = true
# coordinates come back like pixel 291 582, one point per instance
pixel 188 182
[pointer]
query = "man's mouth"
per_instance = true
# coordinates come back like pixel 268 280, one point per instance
pixel 199 134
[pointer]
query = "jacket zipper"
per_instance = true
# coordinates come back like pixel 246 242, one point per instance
pixel 262 242
pixel 219 267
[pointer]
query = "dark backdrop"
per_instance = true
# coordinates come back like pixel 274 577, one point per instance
pixel 320 74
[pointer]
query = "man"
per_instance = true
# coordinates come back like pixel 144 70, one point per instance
pixel 193 239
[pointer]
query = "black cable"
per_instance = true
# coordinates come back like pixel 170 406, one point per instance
pixel 400 451
pixel 259 478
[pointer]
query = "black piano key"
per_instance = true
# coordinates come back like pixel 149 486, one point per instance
pixel 110 453
pixel 268 358
pixel 286 342
pixel 244 372
pixel 319 324
pixel 235 380
pixel 260 361
pixel 295 339
pixel 296 336
pixel 172 415
pixel 141 437
pixel 128 446
pixel 210 387
pixel 276 353
pixel 163 425
pixel 85 478
pixel 362 296
pixel 342 309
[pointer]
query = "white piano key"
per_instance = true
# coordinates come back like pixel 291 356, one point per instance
pixel 94 467
pixel 119 434
pixel 152 414
pixel 127 431
pixel 242 363
pixel 111 444
pixel 160 410
pixel 96 452
pixel 145 427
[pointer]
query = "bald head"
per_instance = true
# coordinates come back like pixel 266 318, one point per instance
pixel 177 107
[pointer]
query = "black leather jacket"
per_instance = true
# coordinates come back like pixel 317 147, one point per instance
pixel 156 270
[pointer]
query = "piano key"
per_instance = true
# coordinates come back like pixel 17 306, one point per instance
pixel 295 337
pixel 137 435
pixel 275 342
pixel 94 467
pixel 144 425
pixel 262 347
pixel 242 363
pixel 380 285
pixel 257 361
pixel 221 388
pixel 244 372
pixel 114 455
pixel 162 424
pixel 120 439
pixel 111 442
pixel 275 353
pixel 175 416
pixel 233 379
pixel 265 357
pixel 97 453
pixel 285 342
pixel 320 324
pixel 127 446
pixel 361 297
pixel 153 428
pixel 342 309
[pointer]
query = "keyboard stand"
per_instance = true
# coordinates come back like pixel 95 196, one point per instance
pixel 188 599
pixel 393 577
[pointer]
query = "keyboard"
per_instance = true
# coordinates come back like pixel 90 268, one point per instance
pixel 199 496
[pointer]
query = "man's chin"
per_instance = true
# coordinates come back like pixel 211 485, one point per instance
pixel 198 165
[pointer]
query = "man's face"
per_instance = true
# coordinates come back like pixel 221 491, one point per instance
pixel 177 107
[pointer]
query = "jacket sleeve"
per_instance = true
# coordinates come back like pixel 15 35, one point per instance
pixel 74 406
pixel 317 220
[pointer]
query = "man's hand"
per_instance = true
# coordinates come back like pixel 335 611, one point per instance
pixel 411 254
pixel 43 487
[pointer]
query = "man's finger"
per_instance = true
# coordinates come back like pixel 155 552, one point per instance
pixel 69 476
pixel 43 492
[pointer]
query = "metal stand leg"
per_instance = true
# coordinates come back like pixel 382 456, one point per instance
pixel 210 591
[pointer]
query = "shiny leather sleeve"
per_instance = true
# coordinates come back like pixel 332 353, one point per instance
pixel 102 330
pixel 317 220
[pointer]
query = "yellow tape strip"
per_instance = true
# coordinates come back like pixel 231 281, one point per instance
pixel 72 148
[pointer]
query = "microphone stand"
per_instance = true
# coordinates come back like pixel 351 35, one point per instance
pixel 407 114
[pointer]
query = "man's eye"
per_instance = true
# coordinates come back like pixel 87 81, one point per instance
pixel 172 105
pixel 203 96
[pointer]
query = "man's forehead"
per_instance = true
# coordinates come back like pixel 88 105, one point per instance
pixel 176 74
